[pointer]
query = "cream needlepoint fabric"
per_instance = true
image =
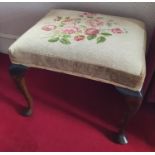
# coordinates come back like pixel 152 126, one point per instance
pixel 100 47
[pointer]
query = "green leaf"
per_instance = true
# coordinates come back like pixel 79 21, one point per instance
pixel 61 25
pixel 101 39
pixel 90 37
pixel 106 34
pixel 65 41
pixel 54 39
pixel 66 36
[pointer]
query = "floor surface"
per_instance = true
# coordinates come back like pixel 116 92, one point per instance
pixel 70 114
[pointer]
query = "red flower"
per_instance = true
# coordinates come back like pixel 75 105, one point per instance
pixel 48 27
pixel 70 30
pixel 79 38
pixel 92 31
pixel 117 30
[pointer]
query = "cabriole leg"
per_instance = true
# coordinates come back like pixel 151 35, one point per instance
pixel 17 73
pixel 133 101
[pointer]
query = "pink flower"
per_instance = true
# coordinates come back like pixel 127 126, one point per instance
pixel 117 30
pixel 96 22
pixel 70 30
pixel 89 15
pixel 92 31
pixel 79 38
pixel 48 27
pixel 99 22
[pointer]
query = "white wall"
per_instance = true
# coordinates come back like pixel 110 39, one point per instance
pixel 15 18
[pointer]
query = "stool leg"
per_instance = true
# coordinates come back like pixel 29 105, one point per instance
pixel 133 103
pixel 17 74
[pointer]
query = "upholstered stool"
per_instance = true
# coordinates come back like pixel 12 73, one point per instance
pixel 104 48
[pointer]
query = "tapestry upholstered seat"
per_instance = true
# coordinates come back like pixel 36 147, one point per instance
pixel 104 48
pixel 100 47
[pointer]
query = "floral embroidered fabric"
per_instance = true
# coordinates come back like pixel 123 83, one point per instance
pixel 86 26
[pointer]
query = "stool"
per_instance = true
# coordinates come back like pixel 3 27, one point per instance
pixel 103 48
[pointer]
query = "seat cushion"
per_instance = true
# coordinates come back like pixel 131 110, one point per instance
pixel 100 47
